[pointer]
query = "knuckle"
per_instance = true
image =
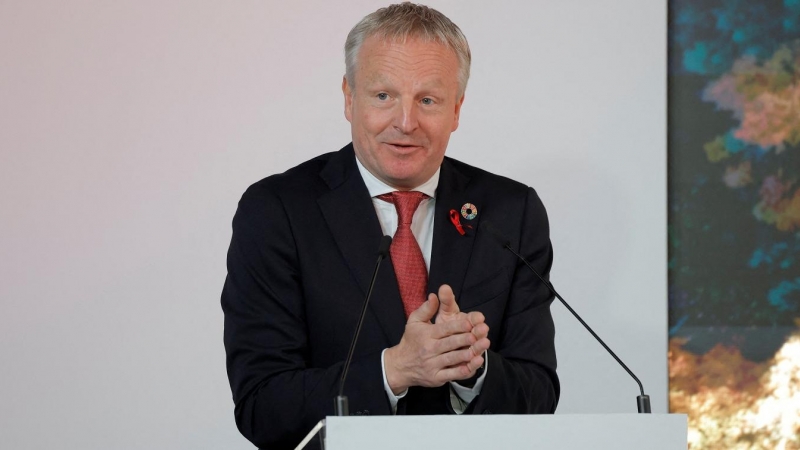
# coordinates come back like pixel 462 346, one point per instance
pixel 467 371
pixel 454 358
pixel 471 339
pixel 476 317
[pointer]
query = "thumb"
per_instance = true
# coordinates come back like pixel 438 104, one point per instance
pixel 447 300
pixel 426 311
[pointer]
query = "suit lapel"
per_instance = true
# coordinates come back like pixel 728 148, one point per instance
pixel 451 251
pixel 351 218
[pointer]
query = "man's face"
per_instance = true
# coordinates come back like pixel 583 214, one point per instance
pixel 403 107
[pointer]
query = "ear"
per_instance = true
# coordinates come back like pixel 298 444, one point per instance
pixel 458 113
pixel 348 99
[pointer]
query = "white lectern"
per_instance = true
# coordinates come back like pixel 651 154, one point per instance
pixel 552 432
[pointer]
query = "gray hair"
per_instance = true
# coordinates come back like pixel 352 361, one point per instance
pixel 408 20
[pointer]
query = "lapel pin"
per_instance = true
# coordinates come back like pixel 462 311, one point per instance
pixel 457 222
pixel 469 211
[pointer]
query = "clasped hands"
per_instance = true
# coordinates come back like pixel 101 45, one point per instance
pixel 430 353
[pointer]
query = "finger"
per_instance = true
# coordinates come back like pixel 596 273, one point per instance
pixel 453 358
pixel 476 317
pixel 450 327
pixel 426 311
pixel 474 364
pixel 460 372
pixel 454 342
pixel 466 370
pixel 480 346
pixel 448 308
pixel 447 300
pixel 480 330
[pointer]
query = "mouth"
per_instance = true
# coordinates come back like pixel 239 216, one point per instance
pixel 402 147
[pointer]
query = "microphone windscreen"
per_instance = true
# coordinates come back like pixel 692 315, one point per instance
pixel 383 249
pixel 495 233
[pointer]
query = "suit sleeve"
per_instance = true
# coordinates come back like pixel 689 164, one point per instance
pixel 522 376
pixel 278 396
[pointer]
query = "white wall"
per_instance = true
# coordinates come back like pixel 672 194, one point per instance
pixel 129 129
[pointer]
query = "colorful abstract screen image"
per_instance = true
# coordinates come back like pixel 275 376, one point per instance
pixel 734 222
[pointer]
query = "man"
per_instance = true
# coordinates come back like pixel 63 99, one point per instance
pixel 455 324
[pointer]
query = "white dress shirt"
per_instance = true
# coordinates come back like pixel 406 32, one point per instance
pixel 422 228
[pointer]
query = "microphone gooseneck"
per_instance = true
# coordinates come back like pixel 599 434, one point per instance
pixel 642 401
pixel 340 404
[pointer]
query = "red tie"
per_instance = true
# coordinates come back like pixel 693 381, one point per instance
pixel 409 265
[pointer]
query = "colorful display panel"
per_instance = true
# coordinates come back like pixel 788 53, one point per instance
pixel 734 231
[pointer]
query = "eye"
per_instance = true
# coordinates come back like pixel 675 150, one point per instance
pixel 427 101
pixel 383 96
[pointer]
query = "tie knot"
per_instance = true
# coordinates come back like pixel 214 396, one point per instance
pixel 406 203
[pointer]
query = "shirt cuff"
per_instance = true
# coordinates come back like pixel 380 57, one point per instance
pixel 393 399
pixel 465 394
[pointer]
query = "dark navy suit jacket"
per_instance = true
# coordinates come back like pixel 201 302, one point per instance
pixel 303 249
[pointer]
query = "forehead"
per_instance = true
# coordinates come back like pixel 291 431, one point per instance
pixel 411 59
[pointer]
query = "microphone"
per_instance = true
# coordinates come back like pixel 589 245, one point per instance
pixel 642 401
pixel 340 404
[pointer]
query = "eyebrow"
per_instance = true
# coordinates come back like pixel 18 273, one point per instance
pixel 435 84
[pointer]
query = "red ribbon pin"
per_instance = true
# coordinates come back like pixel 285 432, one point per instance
pixel 455 217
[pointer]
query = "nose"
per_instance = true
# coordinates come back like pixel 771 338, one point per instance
pixel 406 120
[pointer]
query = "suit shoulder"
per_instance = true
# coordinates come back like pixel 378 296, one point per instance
pixel 299 183
pixel 301 176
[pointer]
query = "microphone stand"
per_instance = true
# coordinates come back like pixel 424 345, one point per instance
pixel 643 400
pixel 341 405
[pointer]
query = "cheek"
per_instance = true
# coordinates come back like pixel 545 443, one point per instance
pixel 374 125
pixel 439 129
pixel 371 124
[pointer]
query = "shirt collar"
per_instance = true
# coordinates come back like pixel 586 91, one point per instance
pixel 377 187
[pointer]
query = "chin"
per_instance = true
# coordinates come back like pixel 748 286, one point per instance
pixel 407 180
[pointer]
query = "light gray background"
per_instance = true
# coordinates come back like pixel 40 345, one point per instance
pixel 129 129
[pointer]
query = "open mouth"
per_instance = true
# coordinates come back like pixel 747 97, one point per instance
pixel 402 147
